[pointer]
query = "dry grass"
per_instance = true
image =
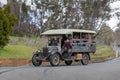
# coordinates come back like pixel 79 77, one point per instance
pixel 103 52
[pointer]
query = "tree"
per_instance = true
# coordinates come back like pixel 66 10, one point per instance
pixel 117 36
pixel 7 21
pixel 4 27
pixel 54 14
pixel 106 35
pixel 96 12
pixel 24 8
pixel 80 14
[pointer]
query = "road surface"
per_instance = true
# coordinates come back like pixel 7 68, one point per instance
pixel 109 70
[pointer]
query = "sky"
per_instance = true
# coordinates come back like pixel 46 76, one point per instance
pixel 114 21
pixel 3 2
pixel 115 6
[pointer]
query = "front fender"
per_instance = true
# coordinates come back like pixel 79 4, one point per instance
pixel 56 52
pixel 37 52
pixel 53 52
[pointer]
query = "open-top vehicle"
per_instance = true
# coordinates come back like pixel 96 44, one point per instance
pixel 68 45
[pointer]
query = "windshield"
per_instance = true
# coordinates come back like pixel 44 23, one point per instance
pixel 53 41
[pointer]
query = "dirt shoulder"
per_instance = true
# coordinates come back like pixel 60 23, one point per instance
pixel 23 62
pixel 14 62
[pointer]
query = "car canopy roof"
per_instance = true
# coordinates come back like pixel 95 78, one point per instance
pixel 65 31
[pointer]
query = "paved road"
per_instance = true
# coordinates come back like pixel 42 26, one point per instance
pixel 109 70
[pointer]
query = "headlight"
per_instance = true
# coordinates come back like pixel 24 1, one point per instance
pixel 50 51
pixel 39 50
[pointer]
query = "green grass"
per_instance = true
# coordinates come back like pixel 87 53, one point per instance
pixel 20 50
pixel 25 52
pixel 103 52
pixel 16 51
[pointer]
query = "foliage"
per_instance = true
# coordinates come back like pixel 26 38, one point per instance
pixel 117 36
pixel 105 35
pixel 54 14
pixel 7 21
pixel 24 8
pixel 79 14
pixel 95 12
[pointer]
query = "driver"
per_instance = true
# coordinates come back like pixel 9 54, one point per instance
pixel 67 44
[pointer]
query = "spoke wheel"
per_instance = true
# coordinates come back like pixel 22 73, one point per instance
pixel 85 59
pixel 36 60
pixel 55 59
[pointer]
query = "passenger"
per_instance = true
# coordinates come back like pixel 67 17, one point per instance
pixel 76 37
pixel 53 42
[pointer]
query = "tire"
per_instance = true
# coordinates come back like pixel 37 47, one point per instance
pixel 85 59
pixel 36 60
pixel 68 62
pixel 55 59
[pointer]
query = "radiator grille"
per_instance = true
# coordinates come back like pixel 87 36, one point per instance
pixel 45 51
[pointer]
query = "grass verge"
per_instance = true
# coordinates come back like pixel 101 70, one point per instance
pixel 25 52
pixel 20 54
pixel 103 53
pixel 16 51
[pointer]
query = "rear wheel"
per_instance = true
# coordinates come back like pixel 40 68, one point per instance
pixel 55 59
pixel 68 62
pixel 85 58
pixel 36 60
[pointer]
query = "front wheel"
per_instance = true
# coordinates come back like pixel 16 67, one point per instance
pixel 36 60
pixel 85 59
pixel 55 59
pixel 68 62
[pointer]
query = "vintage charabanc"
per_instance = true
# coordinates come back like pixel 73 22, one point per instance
pixel 81 43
